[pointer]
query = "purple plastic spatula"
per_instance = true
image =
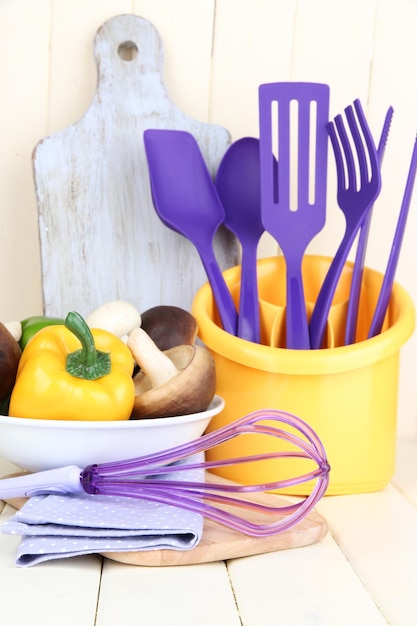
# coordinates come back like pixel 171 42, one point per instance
pixel 359 265
pixel 388 280
pixel 138 478
pixel 293 118
pixel 186 200
pixel 355 196
pixel 239 187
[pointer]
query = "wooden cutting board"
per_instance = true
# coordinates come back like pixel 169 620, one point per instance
pixel 99 234
pixel 219 543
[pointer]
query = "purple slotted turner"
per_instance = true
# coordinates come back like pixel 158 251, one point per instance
pixel 302 157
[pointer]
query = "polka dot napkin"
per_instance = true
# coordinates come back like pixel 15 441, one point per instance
pixel 55 526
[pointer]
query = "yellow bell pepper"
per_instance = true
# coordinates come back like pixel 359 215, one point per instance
pixel 69 372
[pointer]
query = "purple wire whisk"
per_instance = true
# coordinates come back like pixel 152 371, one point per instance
pixel 138 477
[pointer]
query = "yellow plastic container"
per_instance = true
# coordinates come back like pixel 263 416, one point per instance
pixel 348 394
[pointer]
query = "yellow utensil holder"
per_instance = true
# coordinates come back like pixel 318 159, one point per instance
pixel 348 394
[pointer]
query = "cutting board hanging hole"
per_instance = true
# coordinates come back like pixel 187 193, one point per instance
pixel 127 51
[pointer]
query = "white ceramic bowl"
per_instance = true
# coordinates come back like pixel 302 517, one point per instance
pixel 35 444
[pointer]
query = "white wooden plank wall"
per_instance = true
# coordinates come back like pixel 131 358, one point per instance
pixel 217 52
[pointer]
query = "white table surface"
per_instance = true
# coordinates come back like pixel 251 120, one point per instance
pixel 364 572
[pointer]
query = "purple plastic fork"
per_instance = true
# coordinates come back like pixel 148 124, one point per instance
pixel 388 280
pixel 357 274
pixel 354 199
pixel 138 478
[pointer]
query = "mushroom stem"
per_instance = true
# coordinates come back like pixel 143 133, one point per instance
pixel 157 367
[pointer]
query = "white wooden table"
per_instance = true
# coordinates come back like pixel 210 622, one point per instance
pixel 364 572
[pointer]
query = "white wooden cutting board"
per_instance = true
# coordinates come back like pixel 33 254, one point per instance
pixel 100 236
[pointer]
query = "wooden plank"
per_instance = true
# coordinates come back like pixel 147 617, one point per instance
pixel 186 28
pixel 395 46
pixel 54 593
pixel 73 27
pixel 311 585
pixel 196 595
pixel 333 44
pixel 404 479
pixel 6 467
pixel 59 592
pixel 252 45
pixel 187 57
pixel 377 533
pixel 375 537
pixel 24 34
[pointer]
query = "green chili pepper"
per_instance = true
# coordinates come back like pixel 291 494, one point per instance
pixel 31 325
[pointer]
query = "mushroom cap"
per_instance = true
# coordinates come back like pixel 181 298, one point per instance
pixel 169 326
pixel 117 316
pixel 189 391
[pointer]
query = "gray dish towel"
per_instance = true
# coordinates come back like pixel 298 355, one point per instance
pixel 56 527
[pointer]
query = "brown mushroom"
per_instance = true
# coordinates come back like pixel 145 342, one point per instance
pixel 177 381
pixel 10 353
pixel 169 326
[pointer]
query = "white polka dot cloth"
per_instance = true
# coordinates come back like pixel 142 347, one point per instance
pixel 56 526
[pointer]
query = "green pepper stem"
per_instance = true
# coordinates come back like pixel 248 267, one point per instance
pixel 88 362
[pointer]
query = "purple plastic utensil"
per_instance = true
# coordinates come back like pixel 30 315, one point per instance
pixel 186 200
pixel 138 478
pixel 293 117
pixel 359 265
pixel 355 198
pixel 388 280
pixel 239 187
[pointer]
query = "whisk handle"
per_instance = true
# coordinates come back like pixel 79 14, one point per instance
pixel 63 480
